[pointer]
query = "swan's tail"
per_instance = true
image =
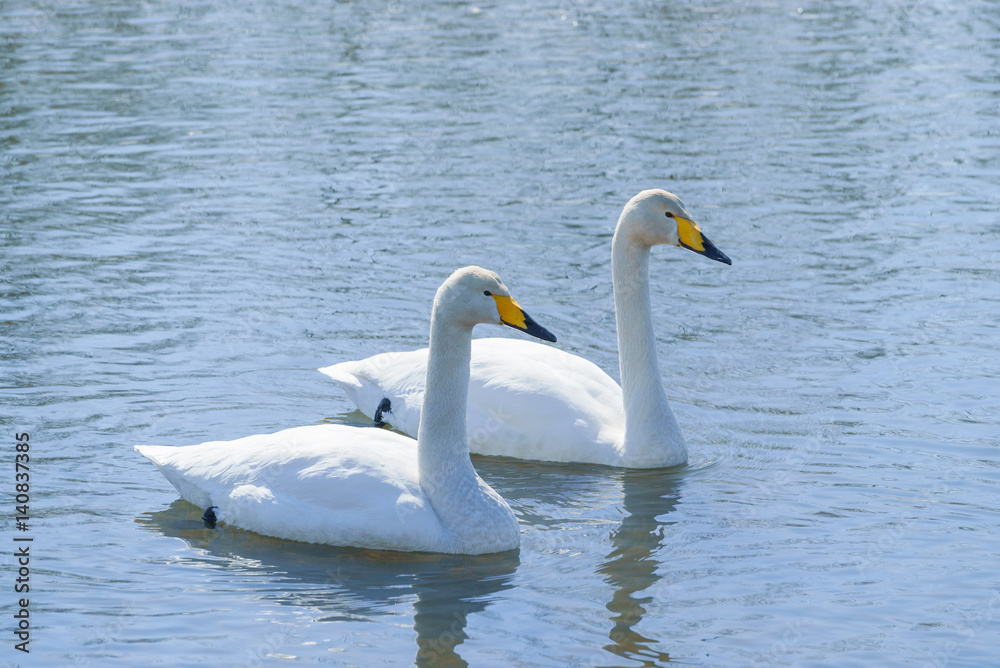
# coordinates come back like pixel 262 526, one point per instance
pixel 360 389
pixel 161 456
pixel 155 453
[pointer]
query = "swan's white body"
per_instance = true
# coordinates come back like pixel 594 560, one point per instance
pixel 532 401
pixel 364 487
pixel 525 400
pixel 317 484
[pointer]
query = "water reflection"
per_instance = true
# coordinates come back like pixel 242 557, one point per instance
pixel 541 494
pixel 630 567
pixel 349 583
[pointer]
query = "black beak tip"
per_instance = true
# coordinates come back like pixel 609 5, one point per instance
pixel 534 329
pixel 546 335
pixel 713 253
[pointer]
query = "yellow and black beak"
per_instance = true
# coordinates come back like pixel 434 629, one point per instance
pixel 689 235
pixel 512 315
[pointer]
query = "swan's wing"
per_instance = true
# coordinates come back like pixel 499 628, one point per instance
pixel 330 484
pixel 398 377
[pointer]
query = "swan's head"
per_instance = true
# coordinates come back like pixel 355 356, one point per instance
pixel 473 295
pixel 656 217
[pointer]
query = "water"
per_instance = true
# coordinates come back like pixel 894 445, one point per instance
pixel 204 202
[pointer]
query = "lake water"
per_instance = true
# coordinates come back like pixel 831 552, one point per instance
pixel 202 202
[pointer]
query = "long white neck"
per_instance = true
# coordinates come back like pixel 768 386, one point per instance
pixel 442 443
pixel 477 518
pixel 652 435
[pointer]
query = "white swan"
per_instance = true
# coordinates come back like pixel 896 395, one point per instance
pixel 532 401
pixel 363 487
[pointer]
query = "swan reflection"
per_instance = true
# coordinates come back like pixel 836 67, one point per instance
pixel 554 498
pixel 630 567
pixel 351 583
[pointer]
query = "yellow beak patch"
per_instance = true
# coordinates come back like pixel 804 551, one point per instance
pixel 510 311
pixel 689 234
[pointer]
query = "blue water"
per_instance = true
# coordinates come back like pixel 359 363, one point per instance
pixel 201 203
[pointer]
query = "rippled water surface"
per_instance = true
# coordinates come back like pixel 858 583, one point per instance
pixel 203 202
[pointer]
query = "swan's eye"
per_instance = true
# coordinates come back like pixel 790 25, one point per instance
pixel 669 215
pixel 487 293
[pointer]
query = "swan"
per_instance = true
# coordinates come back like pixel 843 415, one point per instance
pixel 364 487
pixel 533 401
